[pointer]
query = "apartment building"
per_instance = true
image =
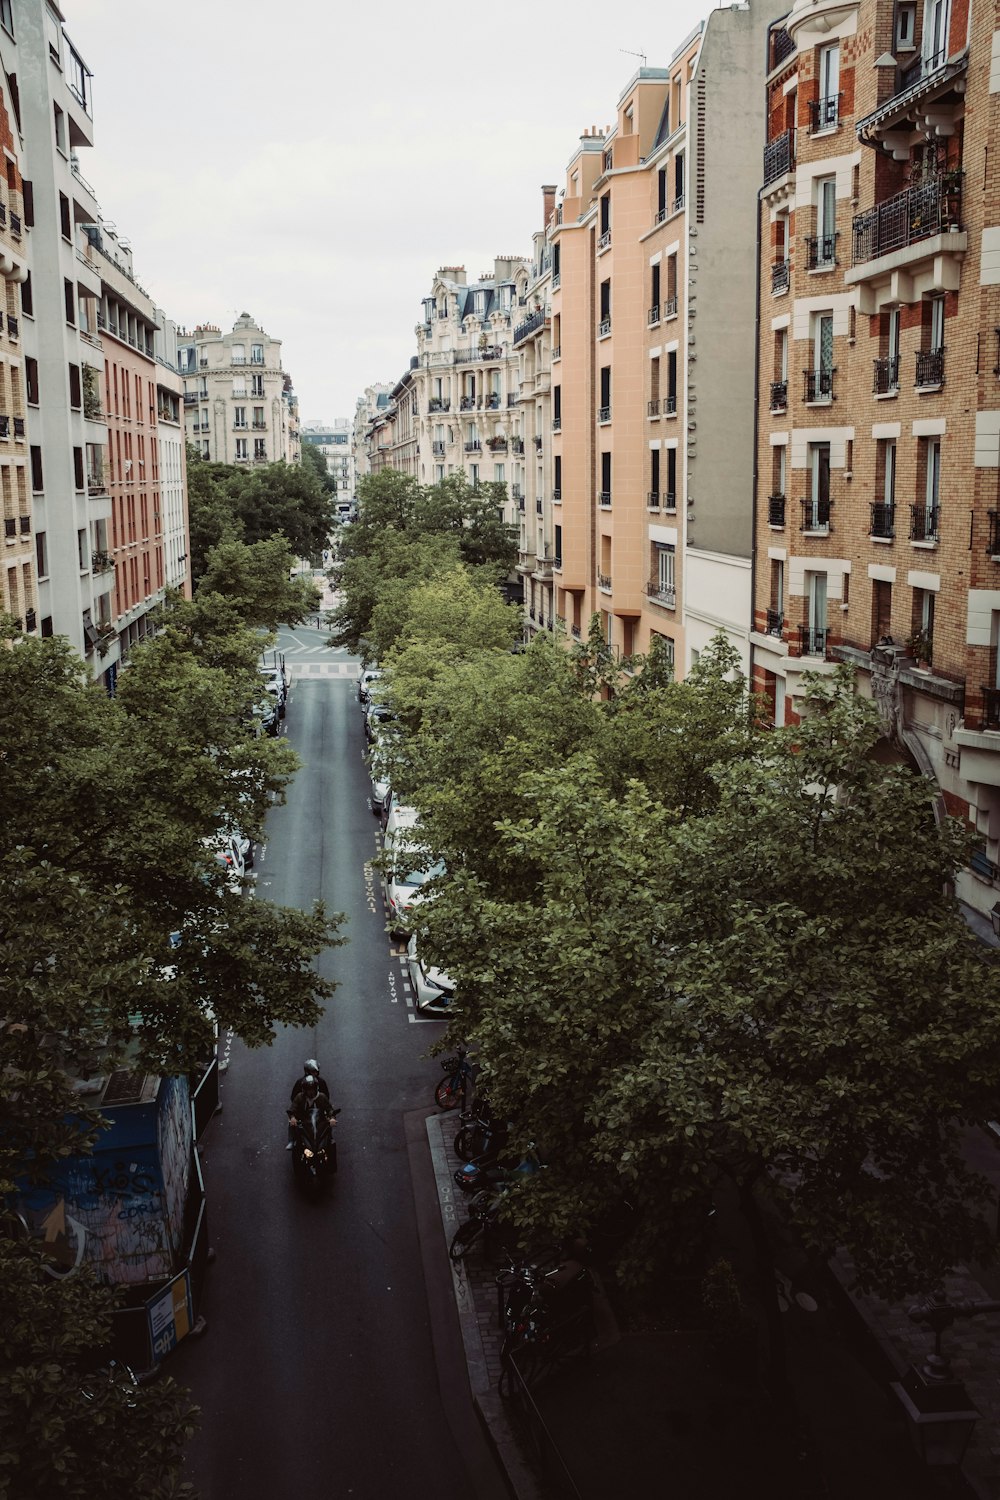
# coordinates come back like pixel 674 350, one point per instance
pixel 367 407
pixel 538 539
pixel 236 396
pixel 653 305
pixel 171 456
pixel 18 582
pixel 879 425
pixel 334 441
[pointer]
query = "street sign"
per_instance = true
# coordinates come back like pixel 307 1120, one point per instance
pixel 170 1315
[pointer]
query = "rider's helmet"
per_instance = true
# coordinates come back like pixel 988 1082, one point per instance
pixel 310 1086
pixel 311 1066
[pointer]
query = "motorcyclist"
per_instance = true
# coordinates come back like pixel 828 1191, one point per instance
pixel 311 1066
pixel 306 1098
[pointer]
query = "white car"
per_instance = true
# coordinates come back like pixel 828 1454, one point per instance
pixel 433 990
pixel 229 857
pixel 403 886
pixel 368 676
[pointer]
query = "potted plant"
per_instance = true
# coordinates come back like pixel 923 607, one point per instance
pixel 921 648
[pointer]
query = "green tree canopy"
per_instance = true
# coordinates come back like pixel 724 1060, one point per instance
pixel 230 501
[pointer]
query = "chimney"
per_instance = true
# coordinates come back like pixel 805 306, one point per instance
pixel 548 205
pixel 453 273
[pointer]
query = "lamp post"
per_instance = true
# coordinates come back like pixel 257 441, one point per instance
pixel 939 1411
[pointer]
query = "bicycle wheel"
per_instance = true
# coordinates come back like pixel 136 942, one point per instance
pixel 464 1238
pixel 463 1144
pixel 448 1094
pixel 518 1364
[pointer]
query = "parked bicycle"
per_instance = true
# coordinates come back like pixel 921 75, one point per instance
pixel 457 1087
pixel 547 1316
pixel 480 1227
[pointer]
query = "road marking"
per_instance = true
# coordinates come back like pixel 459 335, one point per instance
pixel 370 889
pixel 224 1061
pixel 393 997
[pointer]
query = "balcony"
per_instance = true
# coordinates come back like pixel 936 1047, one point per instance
pixel 653 316
pixel 886 381
pixel 669 500
pixel 487 352
pixel 15 225
pixel 467 403
pixel 438 448
pixel 779 157
pixel 818 386
pixel 670 307
pixel 824 114
pixel 661 214
pixel 491 402
pixel 259 426
pixel 821 252
pixel 604 581
pixel 653 500
pixel 474 446
pixel 779 395
pixel 776 510
pixel 661 593
pixel 930 369
pixel 780 276
pixel 931 86
pixel 190 398
pixel 775 623
pixel 497 444
pixel 557 496
pixel 816 516
pixel 924 523
pixel 883 520
pixel 677 204
pixel 527 328
pixel 556 280
pixel 782 46
pixel 557 424
pixel 557 351
pixel 437 403
pixel 604 241
pixel 929 208
pixel 653 407
pixel 812 641
pixel 670 405
pixel 604 499
pixel 604 328
pixel 604 414
pixel 96 485
pixel 101 562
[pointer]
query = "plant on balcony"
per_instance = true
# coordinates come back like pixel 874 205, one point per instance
pixel 91 393
pixel 921 647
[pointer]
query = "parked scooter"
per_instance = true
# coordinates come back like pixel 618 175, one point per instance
pixel 314 1150
pixel 490 1172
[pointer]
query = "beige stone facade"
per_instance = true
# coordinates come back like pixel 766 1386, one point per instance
pixel 237 399
pixel 879 451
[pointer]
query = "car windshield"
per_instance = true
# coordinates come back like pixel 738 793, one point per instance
pixel 420 877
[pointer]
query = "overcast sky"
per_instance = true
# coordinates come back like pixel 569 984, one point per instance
pixel 313 163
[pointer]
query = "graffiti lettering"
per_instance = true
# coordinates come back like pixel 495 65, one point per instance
pixel 120 1181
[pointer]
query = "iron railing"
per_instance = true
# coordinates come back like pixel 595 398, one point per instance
pixel 815 515
pixel 886 379
pixel 604 580
pixel 883 519
pixel 819 384
pixel 812 640
pixel 779 156
pixel 821 251
pixel 604 498
pixel 669 500
pixel 780 275
pixel 924 523
pixel 653 316
pixel 604 413
pixel 474 446
pixel 528 326
pixel 670 405
pixel 653 407
pixel 927 208
pixel 930 367
pixel 437 403
pixel 782 46
pixel 776 510
pixel 670 307
pixel 775 622
pixel 779 395
pixel 557 424
pixel 824 114
pixel 663 593
pixel 605 240
pixel 653 500
pixel 604 327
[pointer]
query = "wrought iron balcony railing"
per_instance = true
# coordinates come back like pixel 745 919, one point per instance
pixel 438 448
pixel 538 505
pixel 669 500
pixel 604 580
pixel 780 275
pixel 604 327
pixel 821 251
pixel 775 622
pixel 670 307
pixel 819 384
pixel 812 640
pixel 523 330
pixel 779 156
pixel 670 405
pixel 557 495
pixel 930 367
pixel 886 379
pixel 779 395
pixel 474 446
pixel 927 208
pixel 437 403
pixel 924 523
pixel 782 46
pixel 557 424
pixel 776 510
pixel 605 240
pixel 653 500
pixel 653 407
pixel 467 403
pixel 883 519
pixel 604 498
pixel 824 114
pixel 604 413
pixel 653 316
pixel 663 593
pixel 815 515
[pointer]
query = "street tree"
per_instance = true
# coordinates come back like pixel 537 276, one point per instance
pixel 227 501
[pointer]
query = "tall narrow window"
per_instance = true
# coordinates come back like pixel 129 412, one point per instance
pixel 827 105
pixel 670 494
pixel 817 504
pixel 815 643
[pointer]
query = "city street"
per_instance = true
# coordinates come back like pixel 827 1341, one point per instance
pixel 330 1365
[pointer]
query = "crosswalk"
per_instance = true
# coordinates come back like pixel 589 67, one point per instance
pixel 304 670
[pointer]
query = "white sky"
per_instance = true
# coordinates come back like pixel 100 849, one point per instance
pixel 314 163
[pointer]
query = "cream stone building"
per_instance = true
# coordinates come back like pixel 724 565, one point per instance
pixel 878 518
pixel 237 398
pixel 532 341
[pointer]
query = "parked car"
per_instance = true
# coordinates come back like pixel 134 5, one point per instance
pixel 407 869
pixel 274 683
pixel 433 990
pixel 381 789
pixel 267 715
pixel 229 857
pixel 368 676
pixel 378 717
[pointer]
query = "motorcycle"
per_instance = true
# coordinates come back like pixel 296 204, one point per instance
pixel 314 1151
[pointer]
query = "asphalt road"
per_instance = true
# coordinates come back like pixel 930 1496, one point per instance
pixel 331 1365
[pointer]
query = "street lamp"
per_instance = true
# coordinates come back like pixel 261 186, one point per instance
pixel 939 1411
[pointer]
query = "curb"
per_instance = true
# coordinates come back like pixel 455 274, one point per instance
pixel 490 1409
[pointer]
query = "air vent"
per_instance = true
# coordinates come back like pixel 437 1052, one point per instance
pixel 124 1087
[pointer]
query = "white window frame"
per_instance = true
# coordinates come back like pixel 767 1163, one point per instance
pixel 666 568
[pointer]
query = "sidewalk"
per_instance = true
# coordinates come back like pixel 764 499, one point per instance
pixel 657 1409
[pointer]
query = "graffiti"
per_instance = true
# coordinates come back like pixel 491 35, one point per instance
pixel 115 1181
pixel 64 1240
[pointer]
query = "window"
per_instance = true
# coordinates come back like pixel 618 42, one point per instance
pixel 69 300
pixel 605 496
pixel 605 219
pixel 498 474
pixel 27 297
pixel 605 307
pixel 31 380
pixel 777 592
pixel 41 554
pixel 665 569
pixel 558 546
pixel 906 28
pixel 661 195
pixel 238 355
pixel 78 479
pixel 258 417
pixel 817 505
pixel 779 700
pixel 605 406
pixel 654 293
pixel 815 644
pixel 256 385
pixel 241 448
pixel 60 124
pixel 935 38
pixel 75 388
pixel 819 383
pixel 36 469
pixel 259 448
pixel 6 18
pixel 256 354
pixel 829 87
pixel 82 549
pixel 823 249
pixel 239 416
pixel 670 401
pixel 557 477
pixel 679 181
pixel 881 611
pixel 922 641
pixel 670 493
pixel 654 476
